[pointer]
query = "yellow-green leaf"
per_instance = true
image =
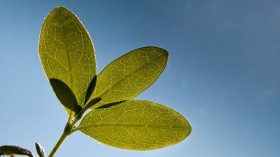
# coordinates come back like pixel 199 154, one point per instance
pixel 66 52
pixel 136 125
pixel 129 75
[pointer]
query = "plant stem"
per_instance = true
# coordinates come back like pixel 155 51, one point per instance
pixel 65 134
pixel 67 130
pixel 70 125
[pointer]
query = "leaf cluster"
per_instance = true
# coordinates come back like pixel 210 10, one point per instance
pixel 68 58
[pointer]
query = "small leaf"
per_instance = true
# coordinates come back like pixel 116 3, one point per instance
pixel 92 102
pixel 65 95
pixel 15 150
pixel 66 51
pixel 91 88
pixel 110 104
pixel 40 150
pixel 136 125
pixel 129 75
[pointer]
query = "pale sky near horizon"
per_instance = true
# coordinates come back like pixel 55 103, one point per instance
pixel 222 75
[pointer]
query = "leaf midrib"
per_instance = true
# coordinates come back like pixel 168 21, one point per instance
pixel 66 48
pixel 132 125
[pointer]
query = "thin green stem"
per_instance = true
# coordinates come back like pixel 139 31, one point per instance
pixel 64 135
pixel 70 126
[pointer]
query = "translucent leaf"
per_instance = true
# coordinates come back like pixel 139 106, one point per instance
pixel 66 52
pixel 136 125
pixel 129 75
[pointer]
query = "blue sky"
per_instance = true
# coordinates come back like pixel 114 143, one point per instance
pixel 222 74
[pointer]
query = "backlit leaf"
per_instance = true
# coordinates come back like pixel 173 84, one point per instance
pixel 136 125
pixel 66 52
pixel 129 75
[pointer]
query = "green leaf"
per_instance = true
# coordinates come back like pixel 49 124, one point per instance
pixel 136 125
pixel 66 52
pixel 91 88
pixel 65 95
pixel 92 102
pixel 129 75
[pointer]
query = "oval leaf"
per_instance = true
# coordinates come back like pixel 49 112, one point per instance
pixel 65 95
pixel 66 51
pixel 129 75
pixel 136 125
